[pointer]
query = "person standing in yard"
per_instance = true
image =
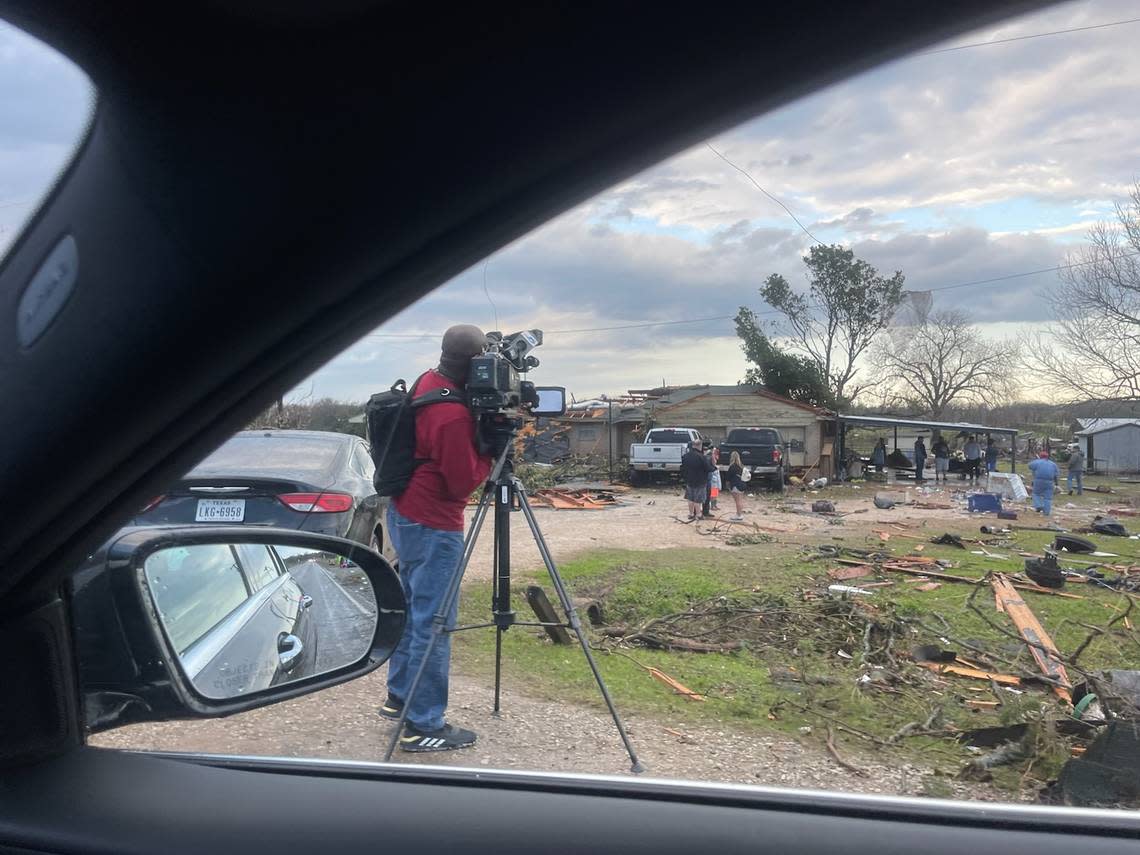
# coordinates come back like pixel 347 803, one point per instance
pixel 734 482
pixel 695 468
pixel 1045 476
pixel 941 460
pixel 919 459
pixel 425 524
pixel 992 454
pixel 1077 470
pixel 714 477
pixel 879 455
pixel 973 452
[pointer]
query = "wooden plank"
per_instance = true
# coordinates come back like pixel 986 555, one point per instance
pixel 975 673
pixel 981 705
pixel 1041 646
pixel 895 566
pixel 839 574
pixel 544 611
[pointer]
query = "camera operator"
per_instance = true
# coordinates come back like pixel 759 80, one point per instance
pixel 425 525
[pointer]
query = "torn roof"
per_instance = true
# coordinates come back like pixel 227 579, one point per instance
pixel 666 396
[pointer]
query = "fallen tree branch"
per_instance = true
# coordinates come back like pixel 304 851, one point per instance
pixel 834 752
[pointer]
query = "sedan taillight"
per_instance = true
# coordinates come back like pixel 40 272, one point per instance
pixel 317 503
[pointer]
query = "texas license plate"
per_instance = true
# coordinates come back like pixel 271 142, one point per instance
pixel 220 510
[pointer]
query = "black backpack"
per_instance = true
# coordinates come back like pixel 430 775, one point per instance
pixel 390 419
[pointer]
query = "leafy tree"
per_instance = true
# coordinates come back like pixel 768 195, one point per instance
pixel 787 374
pixel 945 361
pixel 845 308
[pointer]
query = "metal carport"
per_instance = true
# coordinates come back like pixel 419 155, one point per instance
pixel 842 422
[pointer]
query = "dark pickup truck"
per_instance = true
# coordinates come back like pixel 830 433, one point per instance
pixel 761 451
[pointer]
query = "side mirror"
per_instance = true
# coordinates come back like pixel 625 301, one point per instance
pixel 196 622
pixel 551 401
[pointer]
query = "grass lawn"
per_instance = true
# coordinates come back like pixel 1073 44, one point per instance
pixel 751 688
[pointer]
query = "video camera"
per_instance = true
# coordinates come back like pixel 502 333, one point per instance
pixel 494 384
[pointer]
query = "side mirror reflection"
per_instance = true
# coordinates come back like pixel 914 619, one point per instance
pixel 244 617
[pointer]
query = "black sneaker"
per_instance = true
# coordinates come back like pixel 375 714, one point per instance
pixel 391 709
pixel 447 738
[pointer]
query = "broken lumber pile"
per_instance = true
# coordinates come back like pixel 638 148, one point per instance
pixel 573 500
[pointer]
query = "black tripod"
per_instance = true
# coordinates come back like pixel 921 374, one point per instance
pixel 508 494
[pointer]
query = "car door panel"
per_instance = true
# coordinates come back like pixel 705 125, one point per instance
pixel 133 803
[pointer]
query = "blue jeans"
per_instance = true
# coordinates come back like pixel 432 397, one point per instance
pixel 1078 476
pixel 428 558
pixel 1043 498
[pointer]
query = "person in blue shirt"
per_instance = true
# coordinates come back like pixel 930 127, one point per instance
pixel 1045 477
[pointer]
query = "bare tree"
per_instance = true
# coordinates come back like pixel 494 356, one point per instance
pixel 1092 350
pixel 947 361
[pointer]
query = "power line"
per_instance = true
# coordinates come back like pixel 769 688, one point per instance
pixel 646 324
pixel 1022 275
pixel 487 293
pixel 1029 36
pixel 748 175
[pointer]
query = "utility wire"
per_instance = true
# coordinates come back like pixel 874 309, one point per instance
pixel 1028 36
pixel 494 308
pixel 756 184
pixel 645 324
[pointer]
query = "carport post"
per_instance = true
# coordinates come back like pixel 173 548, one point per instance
pixel 1013 452
pixel 610 439
pixel 896 437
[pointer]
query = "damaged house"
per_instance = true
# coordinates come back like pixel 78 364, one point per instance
pixel 608 427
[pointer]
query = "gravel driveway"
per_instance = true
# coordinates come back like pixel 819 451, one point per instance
pixel 530 734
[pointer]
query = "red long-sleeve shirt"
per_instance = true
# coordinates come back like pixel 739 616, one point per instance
pixel 445 438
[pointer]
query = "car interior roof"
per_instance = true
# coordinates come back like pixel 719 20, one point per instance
pixel 265 182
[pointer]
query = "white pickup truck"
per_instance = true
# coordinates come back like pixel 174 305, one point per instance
pixel 660 453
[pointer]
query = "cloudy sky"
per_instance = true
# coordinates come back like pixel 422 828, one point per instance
pixel 954 165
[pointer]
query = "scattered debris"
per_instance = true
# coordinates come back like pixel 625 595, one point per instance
pixel 949 539
pixel 1109 526
pixel 544 611
pixel 561 498
pixel 932 653
pixel 992 737
pixel 1044 571
pixel 886 501
pixel 1107 774
pixel 676 686
pixel 1072 543
pixel 834 752
pixel 1011 752
pixel 983 503
pixel 1040 645
pixel 842 574
pixel 980 705
pixel 928 586
pixel 848 590
pixel 748 539
pixel 823 507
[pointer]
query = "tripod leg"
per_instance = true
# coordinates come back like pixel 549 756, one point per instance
pixel 439 621
pixel 498 666
pixel 576 625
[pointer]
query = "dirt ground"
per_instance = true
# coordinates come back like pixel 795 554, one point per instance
pixel 652 518
pixel 535 734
